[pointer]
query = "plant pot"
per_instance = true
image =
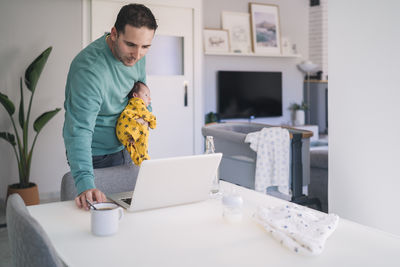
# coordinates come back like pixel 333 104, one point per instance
pixel 30 194
pixel 300 117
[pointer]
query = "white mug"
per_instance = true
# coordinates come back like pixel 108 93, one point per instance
pixel 105 218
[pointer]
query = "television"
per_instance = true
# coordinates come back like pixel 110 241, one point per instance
pixel 248 94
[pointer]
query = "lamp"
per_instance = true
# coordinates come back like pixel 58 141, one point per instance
pixel 308 67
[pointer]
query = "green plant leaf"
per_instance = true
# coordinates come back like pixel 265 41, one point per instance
pixel 34 70
pixel 21 116
pixel 8 137
pixel 41 121
pixel 294 107
pixel 8 105
pixel 304 106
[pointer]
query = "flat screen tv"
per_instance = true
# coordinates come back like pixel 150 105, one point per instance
pixel 245 94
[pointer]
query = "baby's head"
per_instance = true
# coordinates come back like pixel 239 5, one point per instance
pixel 141 90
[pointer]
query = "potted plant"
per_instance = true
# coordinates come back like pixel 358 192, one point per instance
pixel 298 113
pixel 23 149
pixel 211 117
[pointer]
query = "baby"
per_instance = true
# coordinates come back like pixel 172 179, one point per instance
pixel 133 124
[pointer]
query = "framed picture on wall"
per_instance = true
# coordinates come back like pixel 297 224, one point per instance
pixel 216 40
pixel 238 25
pixel 265 28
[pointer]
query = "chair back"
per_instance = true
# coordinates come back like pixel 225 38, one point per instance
pixel 29 244
pixel 109 180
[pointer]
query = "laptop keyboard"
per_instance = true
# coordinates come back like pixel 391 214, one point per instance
pixel 127 200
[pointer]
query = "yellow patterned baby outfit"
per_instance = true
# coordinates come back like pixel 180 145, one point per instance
pixel 132 134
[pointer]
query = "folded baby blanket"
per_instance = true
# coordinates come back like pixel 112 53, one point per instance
pixel 300 229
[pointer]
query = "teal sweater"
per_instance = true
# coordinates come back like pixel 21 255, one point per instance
pixel 95 95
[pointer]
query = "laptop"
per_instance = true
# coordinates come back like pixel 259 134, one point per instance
pixel 170 181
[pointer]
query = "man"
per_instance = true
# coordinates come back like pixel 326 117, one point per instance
pixel 99 80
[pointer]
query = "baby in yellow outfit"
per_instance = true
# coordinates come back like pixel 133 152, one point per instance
pixel 133 124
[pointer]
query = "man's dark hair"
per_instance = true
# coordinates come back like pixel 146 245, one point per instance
pixel 136 88
pixel 135 15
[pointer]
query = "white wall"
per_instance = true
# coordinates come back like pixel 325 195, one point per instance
pixel 364 129
pixel 294 24
pixel 318 36
pixel 26 29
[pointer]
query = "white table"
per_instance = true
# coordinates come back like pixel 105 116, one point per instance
pixel 197 235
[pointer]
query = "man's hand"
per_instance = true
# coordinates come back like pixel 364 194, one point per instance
pixel 142 121
pixel 91 195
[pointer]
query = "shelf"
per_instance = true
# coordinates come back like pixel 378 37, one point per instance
pixel 250 55
pixel 316 81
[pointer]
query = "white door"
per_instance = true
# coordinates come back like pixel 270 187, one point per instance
pixel 169 75
pixel 172 84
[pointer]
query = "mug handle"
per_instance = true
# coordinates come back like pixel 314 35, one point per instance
pixel 121 213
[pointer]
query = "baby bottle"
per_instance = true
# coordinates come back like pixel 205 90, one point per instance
pixel 210 149
pixel 232 207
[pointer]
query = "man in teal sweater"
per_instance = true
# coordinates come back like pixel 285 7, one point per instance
pixel 99 80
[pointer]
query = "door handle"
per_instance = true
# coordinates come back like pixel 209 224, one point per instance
pixel 185 94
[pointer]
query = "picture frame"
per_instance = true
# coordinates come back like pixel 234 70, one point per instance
pixel 265 28
pixel 238 25
pixel 216 40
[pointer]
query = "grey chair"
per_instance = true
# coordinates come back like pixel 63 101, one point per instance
pixel 29 244
pixel 109 180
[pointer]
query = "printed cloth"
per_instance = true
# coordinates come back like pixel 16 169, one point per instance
pixel 298 228
pixel 132 134
pixel 272 166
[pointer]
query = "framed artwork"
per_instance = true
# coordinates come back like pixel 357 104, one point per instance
pixel 238 25
pixel 216 40
pixel 265 28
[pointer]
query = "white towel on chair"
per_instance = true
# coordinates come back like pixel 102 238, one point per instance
pixel 300 229
pixel 272 167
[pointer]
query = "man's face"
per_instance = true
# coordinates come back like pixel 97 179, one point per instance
pixel 131 45
pixel 144 94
